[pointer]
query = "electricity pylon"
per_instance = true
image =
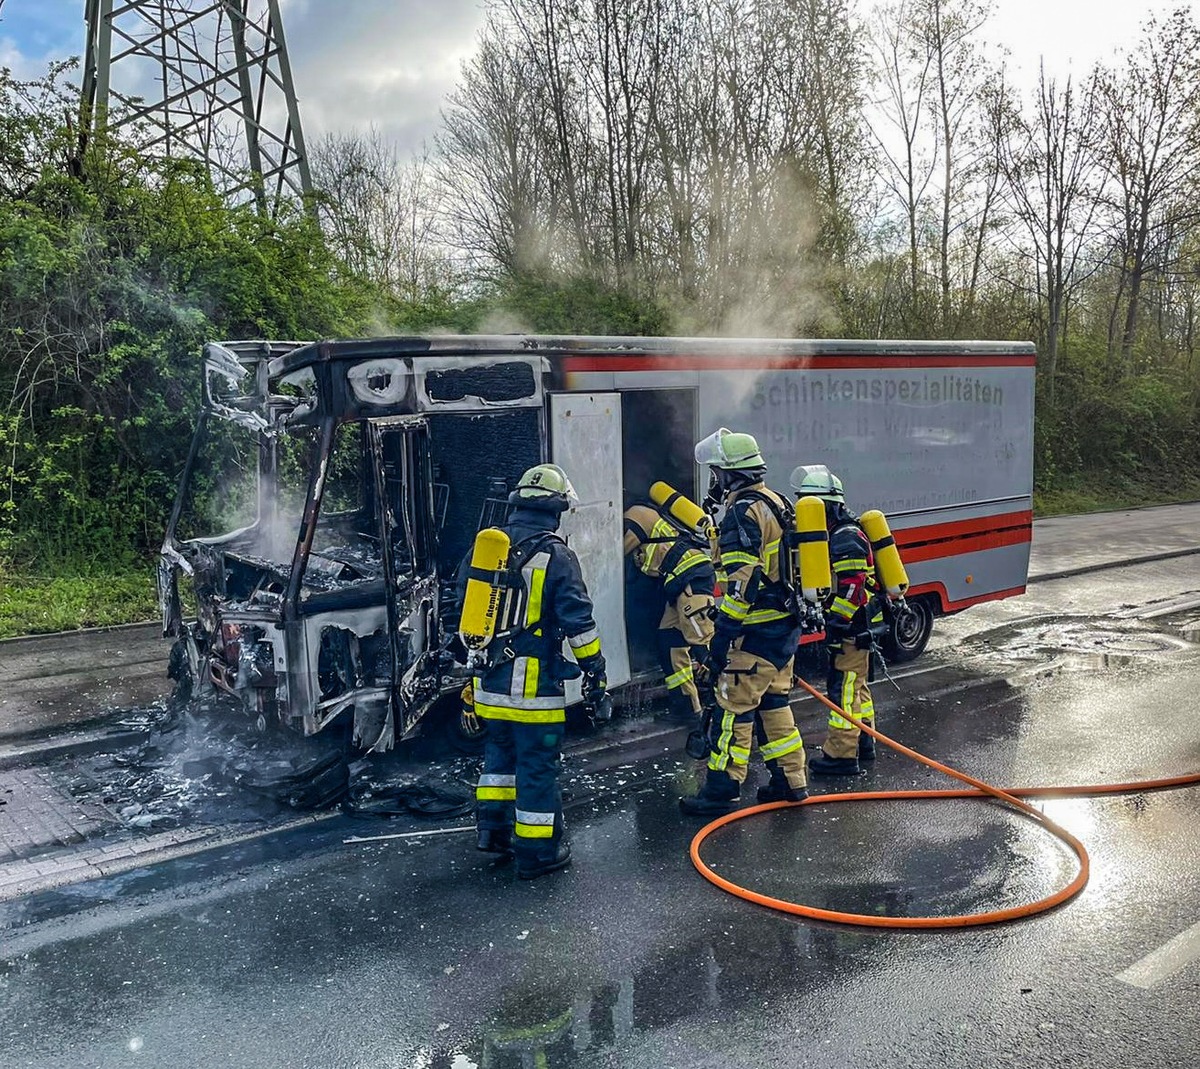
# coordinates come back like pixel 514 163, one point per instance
pixel 207 79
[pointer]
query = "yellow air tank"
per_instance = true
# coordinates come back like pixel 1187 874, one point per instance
pixel 681 509
pixel 812 540
pixel 889 568
pixel 484 599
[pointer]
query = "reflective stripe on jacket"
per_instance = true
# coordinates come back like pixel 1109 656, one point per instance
pixel 751 538
pixel 662 551
pixel 853 605
pixel 525 682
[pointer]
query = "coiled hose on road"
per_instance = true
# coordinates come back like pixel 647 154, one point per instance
pixel 1010 796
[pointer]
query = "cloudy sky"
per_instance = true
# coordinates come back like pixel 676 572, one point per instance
pixel 391 62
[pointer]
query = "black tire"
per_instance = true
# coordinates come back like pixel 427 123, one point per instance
pixel 910 630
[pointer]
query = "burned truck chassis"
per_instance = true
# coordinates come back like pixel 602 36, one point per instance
pixel 352 621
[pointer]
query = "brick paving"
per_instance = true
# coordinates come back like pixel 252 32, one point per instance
pixel 37 816
pixel 50 839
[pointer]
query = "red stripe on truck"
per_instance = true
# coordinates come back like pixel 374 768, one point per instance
pixel 956 606
pixel 698 362
pixel 964 536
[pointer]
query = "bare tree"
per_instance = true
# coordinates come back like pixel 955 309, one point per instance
pixel 905 65
pixel 693 152
pixel 950 31
pixel 380 213
pixel 1148 141
pixel 1049 168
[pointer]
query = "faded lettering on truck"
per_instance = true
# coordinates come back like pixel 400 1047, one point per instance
pixel 906 439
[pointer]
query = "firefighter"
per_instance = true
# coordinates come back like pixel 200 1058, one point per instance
pixel 680 564
pixel 756 633
pixel 854 623
pixel 519 690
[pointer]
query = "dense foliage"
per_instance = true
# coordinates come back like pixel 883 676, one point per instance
pixel 631 166
pixel 113 271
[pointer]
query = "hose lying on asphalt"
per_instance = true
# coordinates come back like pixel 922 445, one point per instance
pixel 1010 796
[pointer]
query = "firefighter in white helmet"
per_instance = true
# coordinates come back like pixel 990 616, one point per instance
pixel 519 690
pixel 853 624
pixel 756 633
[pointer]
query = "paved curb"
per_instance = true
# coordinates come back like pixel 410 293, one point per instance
pixel 76 631
pixel 37 752
pixel 89 861
pixel 63 868
pixel 1149 558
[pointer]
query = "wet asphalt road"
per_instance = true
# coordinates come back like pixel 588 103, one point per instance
pixel 305 951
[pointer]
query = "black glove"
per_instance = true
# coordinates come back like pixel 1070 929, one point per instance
pixel 718 658
pixel 836 632
pixel 595 689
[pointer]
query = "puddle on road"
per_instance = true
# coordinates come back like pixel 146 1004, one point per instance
pixel 1084 642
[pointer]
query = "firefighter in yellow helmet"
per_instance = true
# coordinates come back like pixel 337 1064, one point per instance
pixel 679 563
pixel 519 689
pixel 756 634
pixel 854 622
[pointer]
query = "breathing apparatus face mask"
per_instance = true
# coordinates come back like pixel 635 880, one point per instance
pixel 709 450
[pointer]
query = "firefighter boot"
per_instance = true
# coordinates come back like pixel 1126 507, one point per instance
pixel 776 789
pixel 824 765
pixel 719 795
pixel 543 866
pixel 494 841
pixel 866 744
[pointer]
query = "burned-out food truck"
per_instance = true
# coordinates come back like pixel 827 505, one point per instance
pixel 333 488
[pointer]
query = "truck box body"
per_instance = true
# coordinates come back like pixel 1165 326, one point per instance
pixel 938 435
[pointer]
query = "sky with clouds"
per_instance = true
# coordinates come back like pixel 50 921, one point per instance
pixel 390 63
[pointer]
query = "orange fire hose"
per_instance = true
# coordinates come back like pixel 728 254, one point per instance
pixel 1009 796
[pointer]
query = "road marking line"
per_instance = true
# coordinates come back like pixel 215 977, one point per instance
pixel 1167 960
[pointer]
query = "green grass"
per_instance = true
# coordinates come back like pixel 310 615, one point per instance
pixel 1096 493
pixel 30 605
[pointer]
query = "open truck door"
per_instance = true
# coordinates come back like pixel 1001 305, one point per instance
pixel 399 448
pixel 585 441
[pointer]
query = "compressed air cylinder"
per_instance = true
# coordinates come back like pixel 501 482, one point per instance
pixel 812 541
pixel 484 599
pixel 681 509
pixel 889 568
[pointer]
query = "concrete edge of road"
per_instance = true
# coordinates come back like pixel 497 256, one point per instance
pixel 75 631
pixel 1111 512
pixel 1102 566
pixel 88 861
pixel 36 751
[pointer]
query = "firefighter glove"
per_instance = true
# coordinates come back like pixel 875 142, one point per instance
pixel 595 689
pixel 718 658
pixel 467 715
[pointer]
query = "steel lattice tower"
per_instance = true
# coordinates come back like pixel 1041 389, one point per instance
pixel 208 79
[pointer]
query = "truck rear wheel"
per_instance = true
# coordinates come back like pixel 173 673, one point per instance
pixel 910 630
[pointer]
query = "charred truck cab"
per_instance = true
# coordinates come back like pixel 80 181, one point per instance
pixel 332 489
